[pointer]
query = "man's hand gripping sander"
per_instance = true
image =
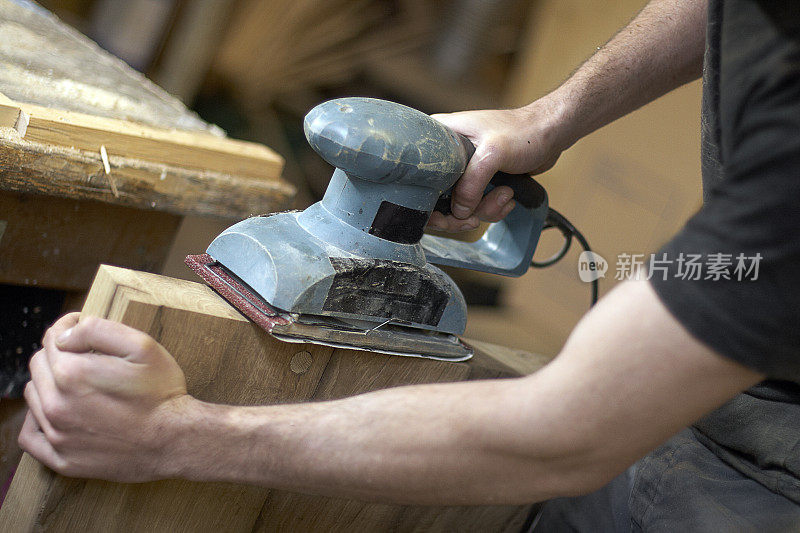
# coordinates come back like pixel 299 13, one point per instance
pixel 354 270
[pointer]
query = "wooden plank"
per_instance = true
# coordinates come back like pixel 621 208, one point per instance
pixel 228 359
pixel 34 168
pixel 163 157
pixel 185 149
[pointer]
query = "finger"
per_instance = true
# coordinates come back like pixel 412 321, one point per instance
pixel 41 371
pixel 34 402
pixel 65 322
pixel 67 372
pixel 104 336
pixel 32 440
pixel 494 205
pixel 50 369
pixel 61 325
pixel 436 221
pixel 468 190
pixel 451 224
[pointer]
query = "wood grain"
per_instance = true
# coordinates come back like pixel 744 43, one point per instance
pixel 163 156
pixel 228 359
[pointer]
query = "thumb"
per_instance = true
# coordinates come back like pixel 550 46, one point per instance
pixel 459 122
pixel 468 191
pixel 103 336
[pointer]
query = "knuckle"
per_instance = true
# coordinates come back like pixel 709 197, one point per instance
pixel 90 322
pixel 28 392
pixel 23 439
pixel 56 412
pixel 491 146
pixel 48 335
pixel 36 363
pixel 57 439
pixel 64 373
pixel 70 469
pixel 494 145
pixel 470 192
pixel 147 344
pixel 36 358
pixel 62 466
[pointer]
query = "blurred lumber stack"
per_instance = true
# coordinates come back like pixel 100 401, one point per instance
pixel 280 46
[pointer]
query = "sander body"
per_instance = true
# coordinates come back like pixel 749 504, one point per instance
pixel 355 269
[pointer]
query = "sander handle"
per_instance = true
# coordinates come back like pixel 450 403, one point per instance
pixel 507 246
pixel 527 191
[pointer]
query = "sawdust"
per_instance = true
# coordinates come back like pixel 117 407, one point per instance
pixel 10 134
pixel 36 88
pixel 72 95
pixel 45 62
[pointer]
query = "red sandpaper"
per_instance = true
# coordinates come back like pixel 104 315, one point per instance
pixel 235 292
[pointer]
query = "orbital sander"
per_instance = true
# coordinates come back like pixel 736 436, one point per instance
pixel 355 269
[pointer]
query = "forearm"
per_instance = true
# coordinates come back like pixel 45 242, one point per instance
pixel 628 378
pixel 435 444
pixel 658 51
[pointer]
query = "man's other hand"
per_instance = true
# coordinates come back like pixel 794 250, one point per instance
pixel 524 140
pixel 102 399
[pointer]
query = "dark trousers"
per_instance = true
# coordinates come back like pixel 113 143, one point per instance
pixel 682 486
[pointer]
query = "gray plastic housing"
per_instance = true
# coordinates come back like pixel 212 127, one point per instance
pixel 286 259
pixel 384 154
pixel 387 151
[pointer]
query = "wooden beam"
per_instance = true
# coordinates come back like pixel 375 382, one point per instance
pixel 178 148
pixel 228 359
pixel 35 168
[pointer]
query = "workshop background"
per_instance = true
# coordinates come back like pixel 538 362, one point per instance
pixel 255 67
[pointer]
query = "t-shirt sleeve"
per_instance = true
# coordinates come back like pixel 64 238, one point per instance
pixel 753 212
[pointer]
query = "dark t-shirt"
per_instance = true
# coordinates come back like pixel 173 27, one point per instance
pixel 751 209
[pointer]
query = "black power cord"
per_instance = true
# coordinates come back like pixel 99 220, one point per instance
pixel 558 221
